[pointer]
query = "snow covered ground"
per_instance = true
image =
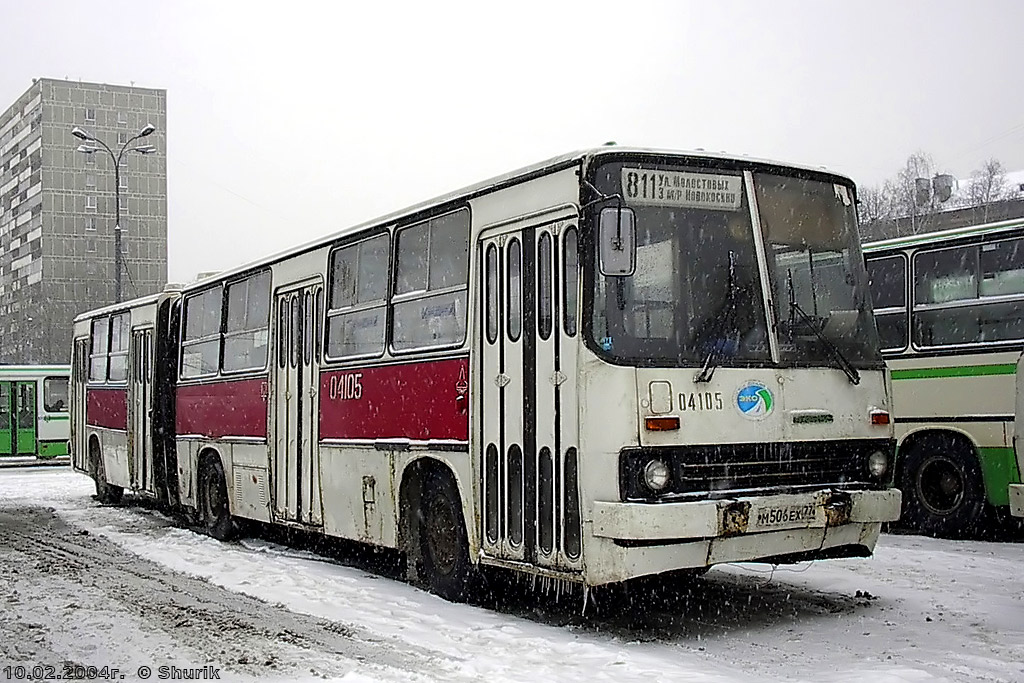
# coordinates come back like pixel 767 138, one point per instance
pixel 124 587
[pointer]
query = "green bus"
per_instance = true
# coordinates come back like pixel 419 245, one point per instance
pixel 950 312
pixel 34 417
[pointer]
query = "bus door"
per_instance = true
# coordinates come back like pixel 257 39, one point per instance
pixel 79 374
pixel 7 423
pixel 25 418
pixel 528 465
pixel 140 410
pixel 295 459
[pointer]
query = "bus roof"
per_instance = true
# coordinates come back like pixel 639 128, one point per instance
pixel 585 156
pixel 944 235
pixel 124 305
pixel 33 369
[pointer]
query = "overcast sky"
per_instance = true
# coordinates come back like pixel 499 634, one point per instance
pixel 290 123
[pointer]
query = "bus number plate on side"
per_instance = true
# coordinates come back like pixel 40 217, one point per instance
pixel 784 515
pixel 699 401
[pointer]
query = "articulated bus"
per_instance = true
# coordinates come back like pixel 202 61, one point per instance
pixel 613 364
pixel 34 420
pixel 950 313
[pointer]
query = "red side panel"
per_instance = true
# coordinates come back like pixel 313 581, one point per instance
pixel 235 408
pixel 419 401
pixel 107 408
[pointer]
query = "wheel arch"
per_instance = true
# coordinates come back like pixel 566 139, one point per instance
pixel 411 479
pixel 208 456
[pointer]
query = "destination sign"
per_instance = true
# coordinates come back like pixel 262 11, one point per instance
pixel 677 188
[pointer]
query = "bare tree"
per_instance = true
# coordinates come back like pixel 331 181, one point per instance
pixel 987 185
pixel 874 206
pixel 911 192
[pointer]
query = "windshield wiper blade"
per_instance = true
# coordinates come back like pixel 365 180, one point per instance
pixel 717 352
pixel 844 363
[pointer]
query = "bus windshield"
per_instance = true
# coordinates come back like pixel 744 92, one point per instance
pixel 697 287
pixel 818 277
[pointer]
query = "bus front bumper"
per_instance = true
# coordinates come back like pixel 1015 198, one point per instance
pixel 639 539
pixel 743 515
pixel 1017 500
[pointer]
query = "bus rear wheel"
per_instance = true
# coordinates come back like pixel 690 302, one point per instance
pixel 108 494
pixel 216 513
pixel 445 566
pixel 943 489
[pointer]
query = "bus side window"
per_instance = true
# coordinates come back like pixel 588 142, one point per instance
pixel 246 334
pixel 431 283
pixel 55 394
pixel 357 298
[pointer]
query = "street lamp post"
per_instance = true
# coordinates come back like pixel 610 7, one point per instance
pixel 81 134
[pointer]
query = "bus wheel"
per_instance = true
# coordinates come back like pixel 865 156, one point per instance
pixel 443 546
pixel 108 494
pixel 943 489
pixel 216 514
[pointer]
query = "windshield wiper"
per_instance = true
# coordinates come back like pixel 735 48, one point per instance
pixel 726 322
pixel 844 363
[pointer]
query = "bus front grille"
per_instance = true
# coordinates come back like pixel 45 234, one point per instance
pixel 747 469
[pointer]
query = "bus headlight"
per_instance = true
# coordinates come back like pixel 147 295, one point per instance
pixel 656 475
pixel 878 464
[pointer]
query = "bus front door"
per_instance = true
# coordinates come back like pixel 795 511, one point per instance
pixel 295 459
pixel 528 451
pixel 25 418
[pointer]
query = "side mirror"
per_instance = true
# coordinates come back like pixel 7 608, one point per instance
pixel 617 239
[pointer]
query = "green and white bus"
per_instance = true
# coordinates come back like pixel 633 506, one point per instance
pixel 34 419
pixel 950 312
pixel 1016 490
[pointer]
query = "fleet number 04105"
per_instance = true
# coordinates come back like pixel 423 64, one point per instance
pixel 698 401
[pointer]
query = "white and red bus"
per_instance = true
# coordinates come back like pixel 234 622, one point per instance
pixel 616 363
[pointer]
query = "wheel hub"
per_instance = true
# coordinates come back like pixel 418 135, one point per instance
pixel 941 485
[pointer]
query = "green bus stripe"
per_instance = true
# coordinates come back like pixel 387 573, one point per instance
pixel 999 470
pixel 956 371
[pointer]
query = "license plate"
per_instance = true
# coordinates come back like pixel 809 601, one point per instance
pixel 786 514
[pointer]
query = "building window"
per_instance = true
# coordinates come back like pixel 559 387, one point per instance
pixel 90 180
pixel 90 246
pixel 90 114
pixel 90 223
pixel 123 180
pixel 122 137
pixel 90 203
pixel 122 118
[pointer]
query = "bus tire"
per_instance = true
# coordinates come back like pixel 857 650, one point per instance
pixel 215 510
pixel 443 550
pixel 106 493
pixel 943 488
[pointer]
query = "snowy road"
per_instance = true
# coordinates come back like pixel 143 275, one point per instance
pixel 124 588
